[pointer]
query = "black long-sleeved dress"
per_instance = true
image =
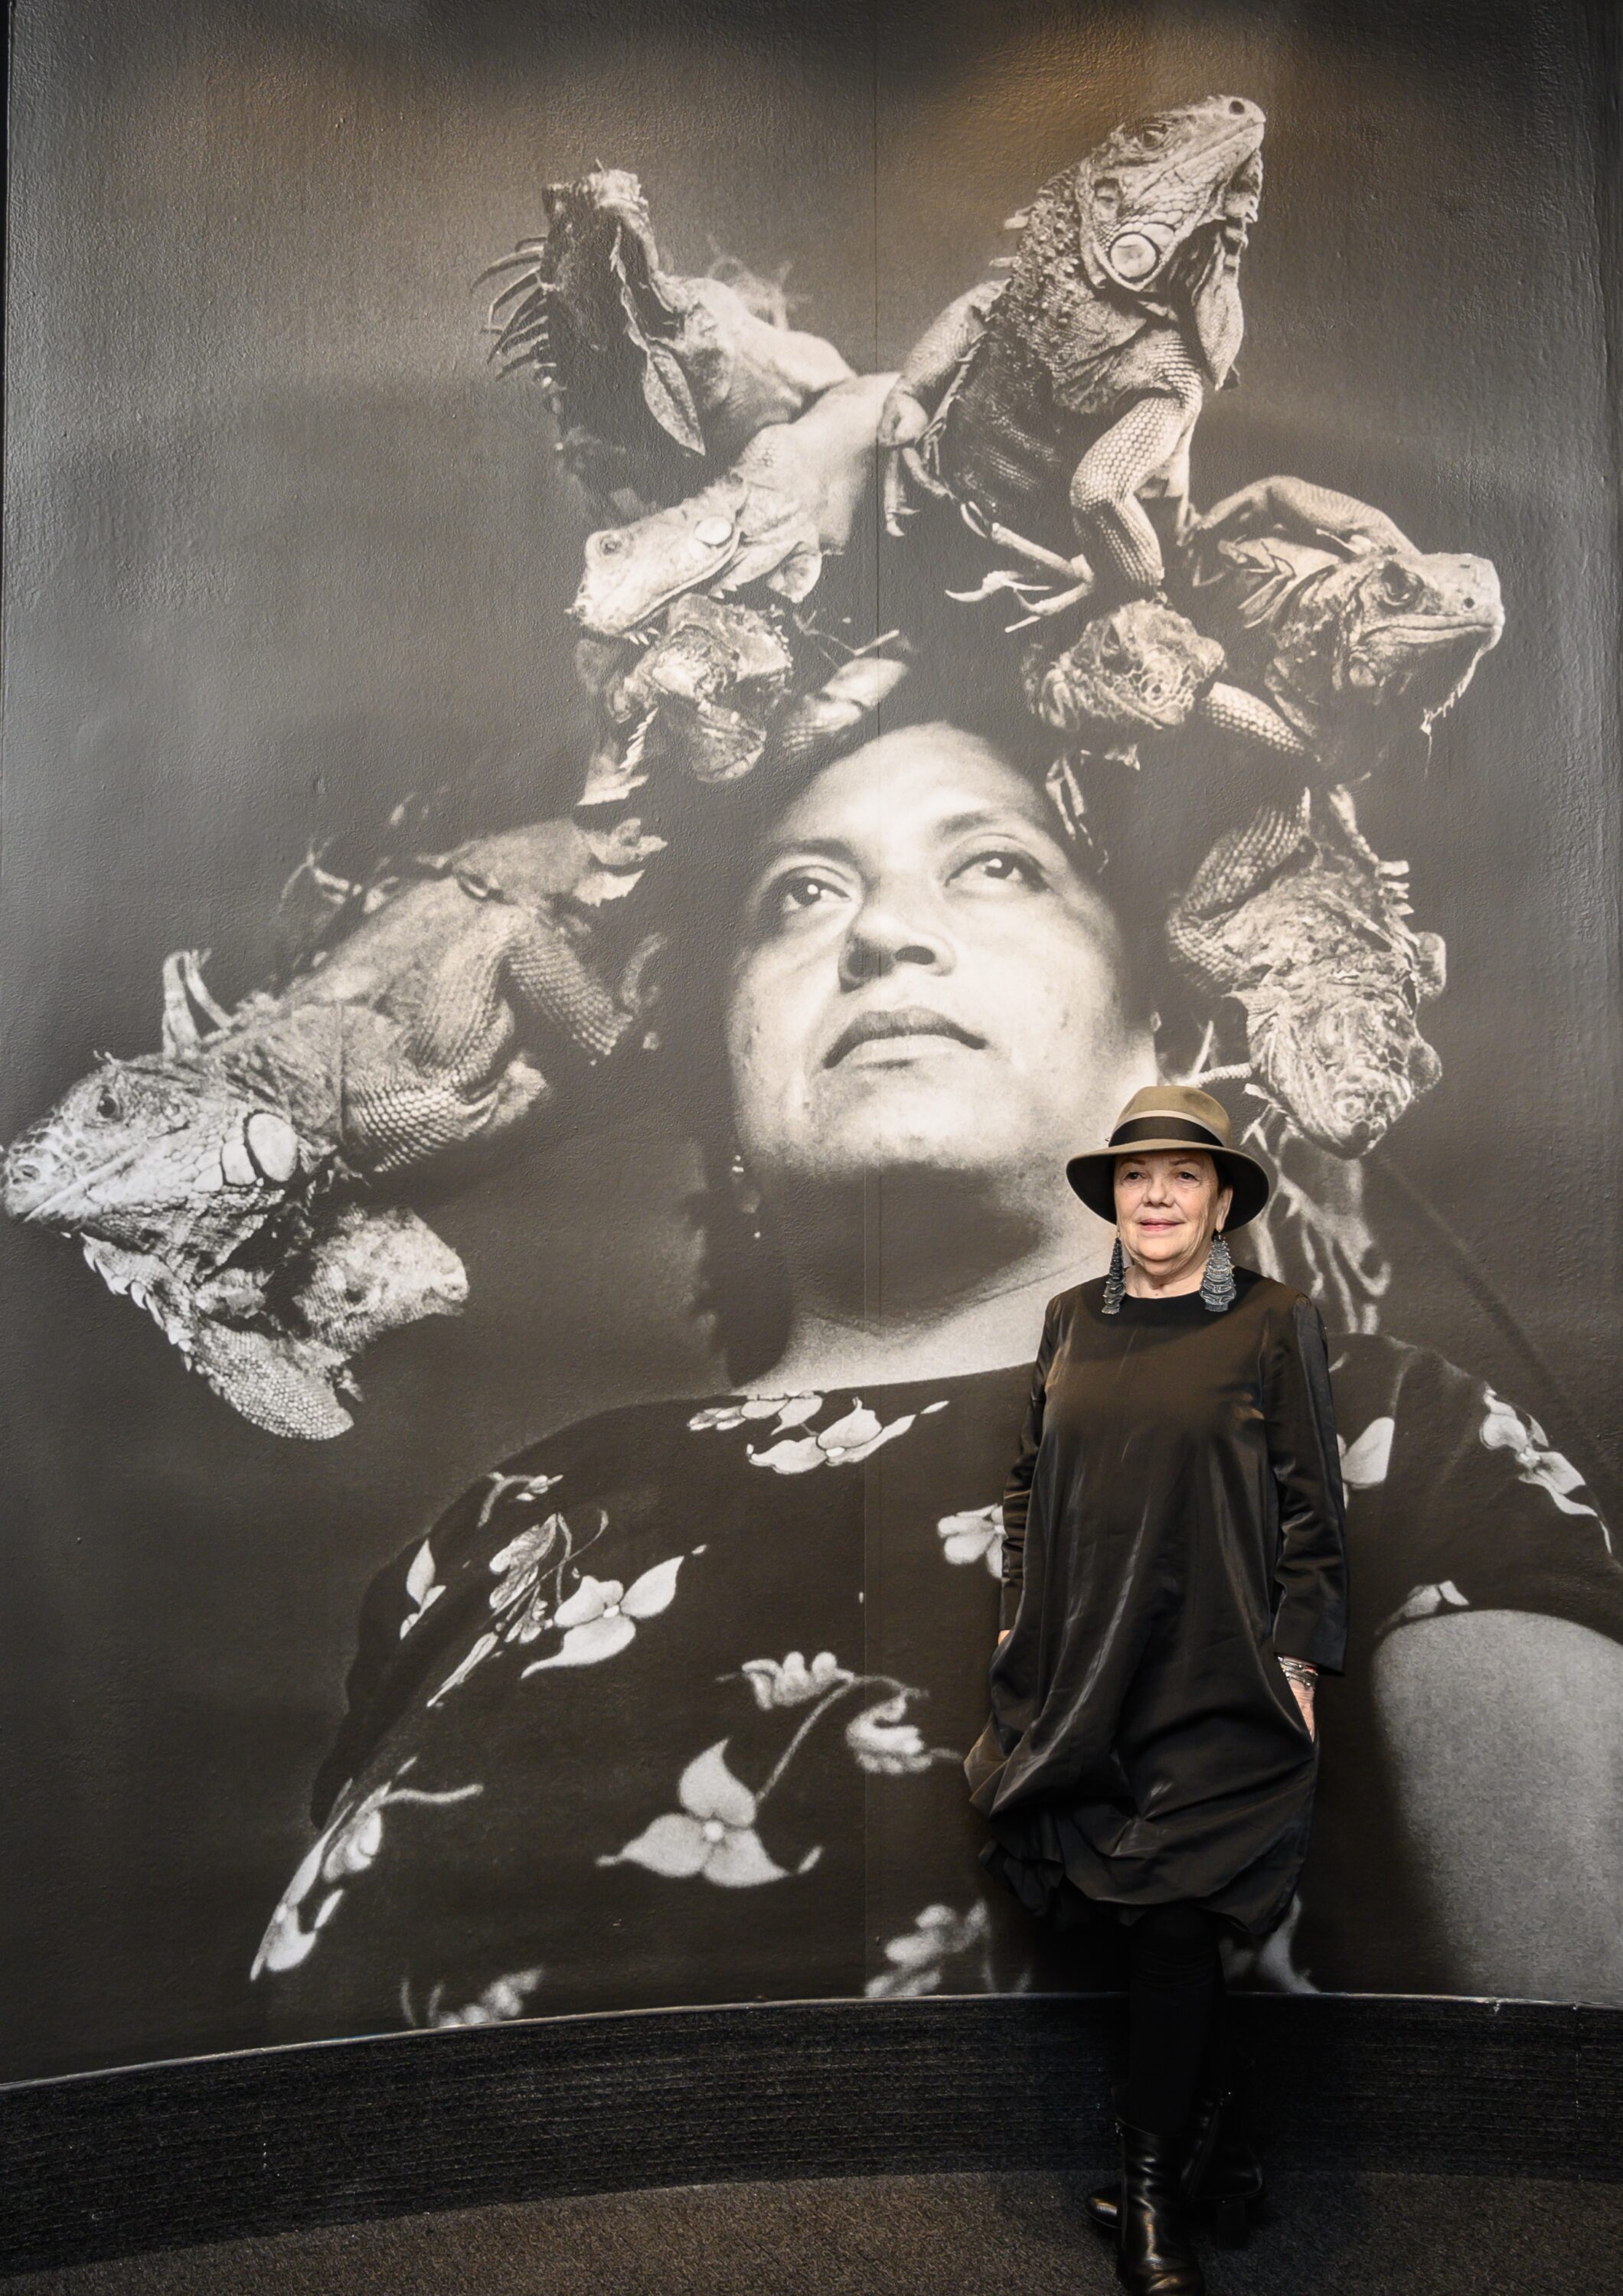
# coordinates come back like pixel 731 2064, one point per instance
pixel 1174 1526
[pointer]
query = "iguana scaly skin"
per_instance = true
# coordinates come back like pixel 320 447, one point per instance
pixel 650 376
pixel 1052 405
pixel 1354 641
pixel 791 498
pixel 1296 919
pixel 215 1181
pixel 1140 669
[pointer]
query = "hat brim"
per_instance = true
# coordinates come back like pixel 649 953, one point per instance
pixel 1093 1175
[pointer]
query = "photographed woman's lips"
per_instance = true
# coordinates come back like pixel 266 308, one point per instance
pixel 901 1020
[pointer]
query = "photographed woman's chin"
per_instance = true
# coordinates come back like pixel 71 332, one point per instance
pixel 938 1111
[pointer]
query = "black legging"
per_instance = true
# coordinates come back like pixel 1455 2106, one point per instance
pixel 1176 2020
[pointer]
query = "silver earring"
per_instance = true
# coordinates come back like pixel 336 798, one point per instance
pixel 1217 1287
pixel 1115 1282
pixel 745 1196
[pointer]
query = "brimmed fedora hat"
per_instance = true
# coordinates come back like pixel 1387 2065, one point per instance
pixel 1171 1115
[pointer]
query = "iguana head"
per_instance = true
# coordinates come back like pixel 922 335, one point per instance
pixel 1391 636
pixel 1138 669
pixel 1340 1049
pixel 157 1155
pixel 1165 204
pixel 648 373
pixel 631 571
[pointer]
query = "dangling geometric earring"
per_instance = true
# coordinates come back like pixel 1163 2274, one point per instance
pixel 746 1197
pixel 1217 1287
pixel 1115 1282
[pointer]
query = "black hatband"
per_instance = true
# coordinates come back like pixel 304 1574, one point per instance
pixel 1165 1127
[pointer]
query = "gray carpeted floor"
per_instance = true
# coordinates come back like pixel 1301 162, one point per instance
pixel 934 2235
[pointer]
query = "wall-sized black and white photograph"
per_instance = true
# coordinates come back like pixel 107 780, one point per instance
pixel 655 660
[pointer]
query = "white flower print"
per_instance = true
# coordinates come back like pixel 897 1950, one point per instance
pixel 503 1998
pixel 518 1567
pixel 713 1834
pixel 853 1437
pixel 1366 1461
pixel 347 1847
pixel 917 1959
pixel 888 1746
pixel 787 1410
pixel 1503 1429
pixel 514 1490
pixel 422 1585
pixel 477 1652
pixel 602 1616
pixel 519 1597
pixel 790 1682
pixel 976 1536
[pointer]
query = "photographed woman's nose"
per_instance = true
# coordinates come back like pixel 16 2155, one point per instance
pixel 881 937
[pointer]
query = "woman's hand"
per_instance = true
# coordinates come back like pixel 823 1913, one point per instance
pixel 1303 1692
pixel 1003 1637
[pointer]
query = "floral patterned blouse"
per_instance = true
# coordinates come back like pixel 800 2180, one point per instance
pixel 672 1708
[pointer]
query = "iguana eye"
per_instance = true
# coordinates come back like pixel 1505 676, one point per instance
pixel 1154 135
pixel 108 1105
pixel 609 546
pixel 1398 584
pixel 1132 256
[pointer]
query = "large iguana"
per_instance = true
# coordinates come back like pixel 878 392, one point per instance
pixel 228 1182
pixel 1307 930
pixel 1320 636
pixel 1052 405
pixel 650 376
pixel 791 498
pixel 1357 640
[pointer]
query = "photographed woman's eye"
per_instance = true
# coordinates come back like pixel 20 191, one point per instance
pixel 999 865
pixel 796 894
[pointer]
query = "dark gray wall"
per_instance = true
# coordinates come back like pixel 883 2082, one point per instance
pixel 280 550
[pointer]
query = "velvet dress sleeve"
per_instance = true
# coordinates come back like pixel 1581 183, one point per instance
pixel 1016 1490
pixel 1310 1574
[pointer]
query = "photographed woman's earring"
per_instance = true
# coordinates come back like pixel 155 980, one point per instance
pixel 1217 1288
pixel 1115 1282
pixel 745 1195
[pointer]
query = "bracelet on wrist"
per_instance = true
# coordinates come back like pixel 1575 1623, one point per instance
pixel 1299 1669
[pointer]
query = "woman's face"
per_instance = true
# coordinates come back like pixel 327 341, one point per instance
pixel 923 982
pixel 1168 1206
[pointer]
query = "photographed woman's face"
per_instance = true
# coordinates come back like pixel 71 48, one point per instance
pixel 922 981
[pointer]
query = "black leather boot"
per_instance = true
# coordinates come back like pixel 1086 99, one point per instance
pixel 1153 2254
pixel 1220 2171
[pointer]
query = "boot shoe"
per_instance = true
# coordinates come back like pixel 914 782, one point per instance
pixel 1220 2172
pixel 1153 2254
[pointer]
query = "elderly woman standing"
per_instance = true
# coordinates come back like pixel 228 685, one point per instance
pixel 1175 1573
